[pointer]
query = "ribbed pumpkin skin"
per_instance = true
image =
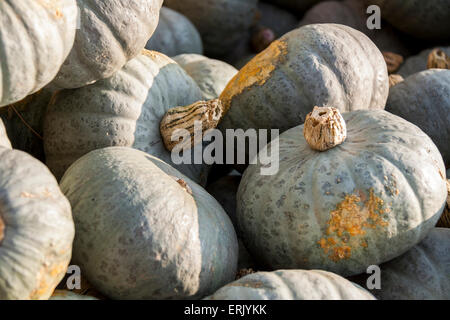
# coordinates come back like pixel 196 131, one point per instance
pixel 352 13
pixel 35 38
pixel 298 5
pixel 175 35
pixel 221 23
pixel 4 140
pixel 424 99
pixel 124 110
pixel 211 75
pixel 423 19
pixel 166 243
pixel 363 202
pixel 292 285
pixel 418 62
pixel 323 65
pixel 422 273
pixel 110 33
pixel 38 228
pixel 68 295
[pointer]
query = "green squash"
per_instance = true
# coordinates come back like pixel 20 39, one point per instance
pixel 211 75
pixel 4 140
pixel 424 99
pixel 422 19
pixel 221 23
pixel 418 62
pixel 292 285
pixel 110 33
pixel 175 35
pixel 171 239
pixel 36 228
pixel 363 202
pixel 123 110
pixel 35 39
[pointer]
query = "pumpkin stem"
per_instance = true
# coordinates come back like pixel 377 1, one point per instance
pixel 393 61
pixel 324 128
pixel 207 113
pixel 437 59
pixel 444 221
pixel 394 79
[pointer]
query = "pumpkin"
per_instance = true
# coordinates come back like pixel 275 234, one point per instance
pixel 298 5
pixel 421 19
pixel 68 295
pixel 367 200
pixel 291 285
pixel 110 33
pixel 4 140
pixel 123 110
pixel 418 62
pixel 424 99
pixel 211 75
pixel 220 22
pixel 278 20
pixel 36 228
pixel 171 239
pixel 353 14
pixel 175 35
pixel 325 64
pixel 422 273
pixel 35 37
pixel 23 121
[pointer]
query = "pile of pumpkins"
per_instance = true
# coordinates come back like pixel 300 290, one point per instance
pixel 91 91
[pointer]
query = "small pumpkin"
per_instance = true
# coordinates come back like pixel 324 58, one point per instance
pixel 171 239
pixel 175 35
pixel 36 38
pixel 211 75
pixel 424 99
pixel 418 62
pixel 422 19
pixel 326 64
pixel 373 192
pixel 422 273
pixel 109 34
pixel 123 110
pixel 4 140
pixel 36 228
pixel 69 295
pixel 292 285
pixel 220 22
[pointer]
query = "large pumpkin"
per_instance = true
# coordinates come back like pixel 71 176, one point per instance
pixel 35 39
pixel 291 285
pixel 422 273
pixel 36 228
pixel 423 19
pixel 418 62
pixel 362 202
pixel 221 23
pixel 123 110
pixel 171 239
pixel 4 140
pixel 211 75
pixel 175 35
pixel 424 99
pixel 109 34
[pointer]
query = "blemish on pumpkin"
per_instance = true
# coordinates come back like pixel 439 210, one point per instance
pixel 44 287
pixel 2 230
pixel 255 72
pixel 348 224
pixel 44 195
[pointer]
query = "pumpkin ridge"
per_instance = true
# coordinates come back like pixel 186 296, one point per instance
pixel 5 84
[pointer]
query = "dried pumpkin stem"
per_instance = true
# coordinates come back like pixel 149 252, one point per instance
pixel 437 59
pixel 394 79
pixel 444 221
pixel 393 61
pixel 26 123
pixel 324 128
pixel 208 113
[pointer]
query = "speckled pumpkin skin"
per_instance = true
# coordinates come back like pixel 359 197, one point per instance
pixel 418 62
pixel 363 202
pixel 422 273
pixel 4 140
pixel 124 110
pixel 35 39
pixel 221 23
pixel 211 75
pixel 166 243
pixel 322 64
pixel 423 19
pixel 175 35
pixel 110 33
pixel 424 99
pixel 36 243
pixel 292 285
